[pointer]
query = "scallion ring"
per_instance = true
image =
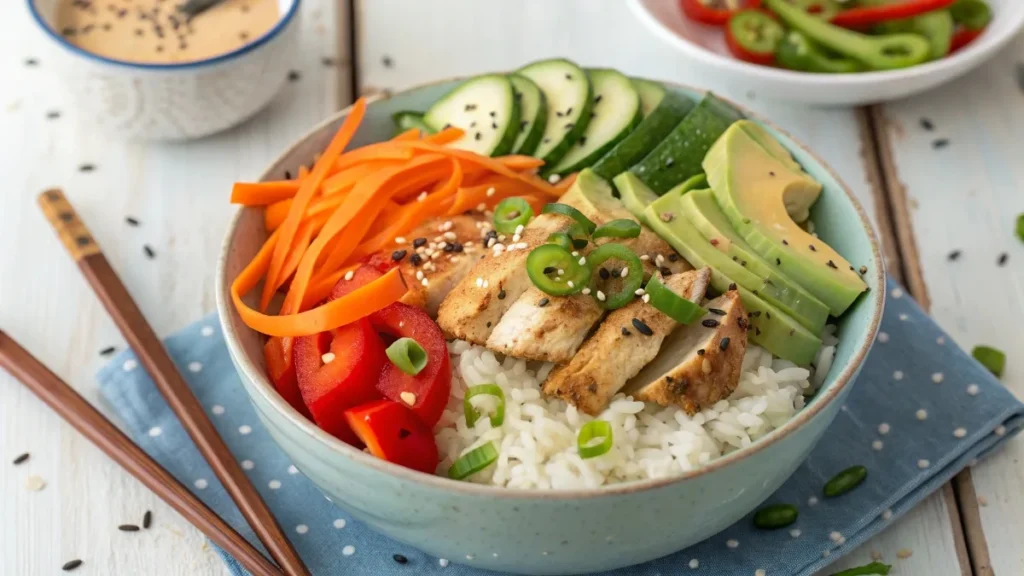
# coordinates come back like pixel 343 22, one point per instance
pixel 510 214
pixel 472 415
pixel 671 304
pixel 621 228
pixel 593 430
pixel 630 283
pixel 566 210
pixel 473 461
pixel 555 271
pixel 408 356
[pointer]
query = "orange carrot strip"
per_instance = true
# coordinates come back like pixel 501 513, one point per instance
pixel 470 198
pixel 381 151
pixel 275 214
pixel 446 136
pixel 519 162
pixel 320 289
pixel 565 183
pixel 410 134
pixel 303 172
pixel 309 187
pixel 348 177
pixel 263 193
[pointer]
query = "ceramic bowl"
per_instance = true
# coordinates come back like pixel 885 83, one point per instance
pixel 705 47
pixel 174 101
pixel 549 532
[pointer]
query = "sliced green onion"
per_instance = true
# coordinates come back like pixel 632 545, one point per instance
pixel 630 284
pixel 510 214
pixel 473 461
pixel 566 210
pixel 621 228
pixel 1020 227
pixel 671 304
pixel 472 415
pixel 872 569
pixel 590 431
pixel 994 360
pixel 408 356
pixel 561 239
pixel 555 271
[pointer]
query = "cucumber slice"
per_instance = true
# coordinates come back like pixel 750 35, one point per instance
pixel 654 128
pixel 651 94
pixel 569 97
pixel 407 120
pixel 680 155
pixel 615 113
pixel 533 114
pixel 486 108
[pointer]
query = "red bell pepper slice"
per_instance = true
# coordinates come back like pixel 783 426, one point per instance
pixel 278 353
pixel 870 15
pixel 963 37
pixel 348 379
pixel 425 393
pixel 393 433
pixel 706 12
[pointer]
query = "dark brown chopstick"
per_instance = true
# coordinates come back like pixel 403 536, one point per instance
pixel 154 358
pixel 101 432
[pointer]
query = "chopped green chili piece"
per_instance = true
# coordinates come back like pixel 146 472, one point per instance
pixel 994 360
pixel 472 415
pixel 555 271
pixel 971 14
pixel 631 282
pixel 775 517
pixel 866 570
pixel 408 356
pixel 561 239
pixel 593 430
pixel 621 228
pixel 511 213
pixel 671 304
pixel 473 461
pixel 566 210
pixel 845 481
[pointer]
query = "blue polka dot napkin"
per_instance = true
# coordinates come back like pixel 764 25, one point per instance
pixel 921 411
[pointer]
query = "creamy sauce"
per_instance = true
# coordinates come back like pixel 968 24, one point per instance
pixel 155 32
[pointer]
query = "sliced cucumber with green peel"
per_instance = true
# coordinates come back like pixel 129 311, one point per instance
pixel 484 107
pixel 653 129
pixel 533 114
pixel 679 156
pixel 569 97
pixel 615 113
pixel 407 120
pixel 651 94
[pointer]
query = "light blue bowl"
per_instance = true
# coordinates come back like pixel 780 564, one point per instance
pixel 551 532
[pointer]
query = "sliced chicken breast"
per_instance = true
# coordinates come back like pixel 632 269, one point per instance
pixel 476 304
pixel 545 328
pixel 700 363
pixel 628 339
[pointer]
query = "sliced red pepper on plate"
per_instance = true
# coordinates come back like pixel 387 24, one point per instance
pixel 870 15
pixel 392 432
pixel 279 355
pixel 344 379
pixel 714 12
pixel 753 36
pixel 963 37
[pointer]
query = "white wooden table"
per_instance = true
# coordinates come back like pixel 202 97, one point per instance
pixel 926 203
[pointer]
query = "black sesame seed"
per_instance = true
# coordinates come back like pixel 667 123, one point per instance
pixel 327 61
pixel 387 61
pixel 952 256
pixel 71 565
pixel 82 240
pixel 927 124
pixel 470 107
pixel 559 113
pixel 149 251
pixel 940 143
pixel 710 323
pixel 131 221
pixel 768 315
pixel 400 559
pixel 547 140
pixel 86 167
pixel 543 302
pixel 147 519
pixel 494 125
pixel 415 259
pixel 523 124
pixel 568 76
pixel 21 459
pixel 642 328
pixel 293 75
pixel 604 274
pixel 449 247
pixel 732 286
pixel 68 31
pixel 597 98
pixel 863 269
pixel 717 311
pixel 550 270
pixel 568 111
pixel 488 324
pixel 813 249
pixel 128 528
pixel 757 331
pixel 1003 258
pixel 501 294
pixel 458 247
pixel 724 343
pixel 700 352
pixel 832 265
pixel 665 271
pixel 569 126
pixel 784 243
pixel 287 175
pixel 778 262
pixel 53 114
pixel 626 332
pixel 417 242
pixel 108 351
pixel 770 173
pixel 583 141
pixel 31 62
pixel 478 136
pixel 397 255
pixel 66 216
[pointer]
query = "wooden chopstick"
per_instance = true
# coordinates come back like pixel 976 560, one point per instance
pixel 151 353
pixel 90 423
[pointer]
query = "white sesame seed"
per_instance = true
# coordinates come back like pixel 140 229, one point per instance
pixel 835 536
pixel 1000 430
pixel 826 554
pixel 571 284
pixel 876 556
pixel 877 445
pixel 921 414
pixel 582 260
pixel 560 272
pixel 960 432
pixel 400 240
pixel 646 298
pixel 812 501
pixel 349 274
pixel 973 390
pixel 520 228
pixel 481 206
pixel 421 197
pixel 694 564
pixel 328 357
pixel 625 272
pixel 489 242
pixel 883 428
pixel 887 514
pixel 486 284
pixel 575 253
pixel 447 226
pixel 760 572
pixel 904 553
pixel 450 236
pixel 937 377
pixel 897 293
pixel 904 317
pixel 443 562
pixel 922 463
pixel 659 259
pixel 586 291
pixel 645 257
pixel 408 397
pixel 490 192
pixel 897 375
pixel 516 238
pixel 600 296
pixel 940 340
pixel 554 178
pixel 731 543
pixel 501 237
pixel 522 245
pixel 419 274
pixel 425 282
pixel 479 282
pixel 883 337
pixel 469 556
pixel 795 532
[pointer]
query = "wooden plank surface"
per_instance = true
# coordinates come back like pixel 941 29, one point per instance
pixel 400 43
pixel 179 193
pixel 966 197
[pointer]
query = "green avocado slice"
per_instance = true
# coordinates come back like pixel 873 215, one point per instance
pixel 635 196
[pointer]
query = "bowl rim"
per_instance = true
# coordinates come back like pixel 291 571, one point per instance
pixel 970 56
pixel 248 369
pixel 278 27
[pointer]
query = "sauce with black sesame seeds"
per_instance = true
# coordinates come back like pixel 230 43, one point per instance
pixel 136 30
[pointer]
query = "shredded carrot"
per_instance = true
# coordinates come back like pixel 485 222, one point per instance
pixel 263 193
pixel 303 172
pixel 348 177
pixel 446 136
pixel 565 183
pixel 382 151
pixel 410 134
pixel 489 192
pixel 490 163
pixel 520 162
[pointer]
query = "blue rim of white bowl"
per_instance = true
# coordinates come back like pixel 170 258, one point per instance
pixel 282 23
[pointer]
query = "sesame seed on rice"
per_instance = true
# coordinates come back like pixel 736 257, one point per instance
pixel 883 428
pixel 973 390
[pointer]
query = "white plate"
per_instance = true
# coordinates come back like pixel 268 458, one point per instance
pixel 705 46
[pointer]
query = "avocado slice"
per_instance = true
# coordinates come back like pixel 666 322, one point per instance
pixel 592 192
pixel 772 328
pixel 757 192
pixel 769 143
pixel 700 209
pixel 635 196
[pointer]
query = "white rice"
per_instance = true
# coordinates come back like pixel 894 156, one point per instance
pixel 537 441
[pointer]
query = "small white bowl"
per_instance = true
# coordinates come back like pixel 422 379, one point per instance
pixel 174 101
pixel 705 46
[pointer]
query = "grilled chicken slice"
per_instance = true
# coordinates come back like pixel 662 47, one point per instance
pixel 478 301
pixel 619 349
pixel 700 363
pixel 545 328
